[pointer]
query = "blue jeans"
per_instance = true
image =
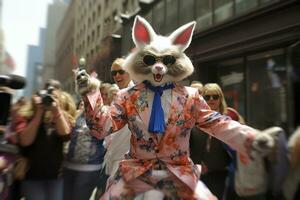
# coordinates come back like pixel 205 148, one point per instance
pixel 42 190
pixel 79 185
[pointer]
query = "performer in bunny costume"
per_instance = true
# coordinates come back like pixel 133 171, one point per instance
pixel 160 114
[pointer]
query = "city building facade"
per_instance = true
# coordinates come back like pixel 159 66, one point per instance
pixel 250 48
pixel 34 69
pixel 66 59
pixel 97 32
pixel 55 14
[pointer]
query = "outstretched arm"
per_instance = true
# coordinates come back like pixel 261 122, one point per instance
pixel 240 137
pixel 101 119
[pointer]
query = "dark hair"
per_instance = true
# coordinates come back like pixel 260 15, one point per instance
pixel 54 83
pixel 78 104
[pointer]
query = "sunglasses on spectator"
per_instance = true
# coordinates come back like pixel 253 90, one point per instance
pixel 151 59
pixel 208 97
pixel 120 71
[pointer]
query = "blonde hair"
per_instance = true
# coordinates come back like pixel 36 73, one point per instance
pixel 69 106
pixel 118 62
pixel 105 86
pixel 213 87
pixel 196 82
pixel 198 85
pixel 113 88
pixel 66 103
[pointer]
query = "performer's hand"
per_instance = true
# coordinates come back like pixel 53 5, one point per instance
pixel 204 168
pixel 85 82
pixel 264 141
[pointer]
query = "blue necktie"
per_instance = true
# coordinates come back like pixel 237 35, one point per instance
pixel 157 119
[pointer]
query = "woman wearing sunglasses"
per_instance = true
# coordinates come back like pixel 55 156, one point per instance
pixel 213 155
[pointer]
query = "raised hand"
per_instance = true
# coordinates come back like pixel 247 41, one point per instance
pixel 84 82
pixel 37 101
pixel 264 141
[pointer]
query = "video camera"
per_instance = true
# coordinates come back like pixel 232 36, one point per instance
pixel 11 82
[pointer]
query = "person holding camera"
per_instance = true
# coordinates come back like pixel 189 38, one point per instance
pixel 42 127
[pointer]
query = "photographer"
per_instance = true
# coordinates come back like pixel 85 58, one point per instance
pixel 42 126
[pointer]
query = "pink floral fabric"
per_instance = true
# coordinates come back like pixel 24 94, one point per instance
pixel 171 151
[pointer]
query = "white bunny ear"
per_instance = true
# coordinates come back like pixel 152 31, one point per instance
pixel 142 32
pixel 182 36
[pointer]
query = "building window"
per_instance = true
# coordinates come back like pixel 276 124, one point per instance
pixel 172 14
pixel 99 10
pixel 159 19
pixel 98 30
pixel 266 1
pixel 223 10
pixel 232 82
pixel 107 25
pixel 242 6
pixel 115 17
pixel 266 86
pixel 127 43
pixel 204 13
pixel 186 11
pixel 94 17
pixel 92 53
pixel 93 36
pixel 125 6
pixel 148 16
pixel 83 46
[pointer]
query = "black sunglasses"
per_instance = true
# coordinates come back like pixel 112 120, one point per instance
pixel 166 60
pixel 208 97
pixel 120 71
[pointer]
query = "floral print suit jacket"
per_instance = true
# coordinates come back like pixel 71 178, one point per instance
pixel 147 151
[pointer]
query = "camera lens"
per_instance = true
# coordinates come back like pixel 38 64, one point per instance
pixel 46 96
pixel 47 100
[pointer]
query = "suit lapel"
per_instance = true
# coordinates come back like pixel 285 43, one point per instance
pixel 176 111
pixel 139 99
pixel 179 98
